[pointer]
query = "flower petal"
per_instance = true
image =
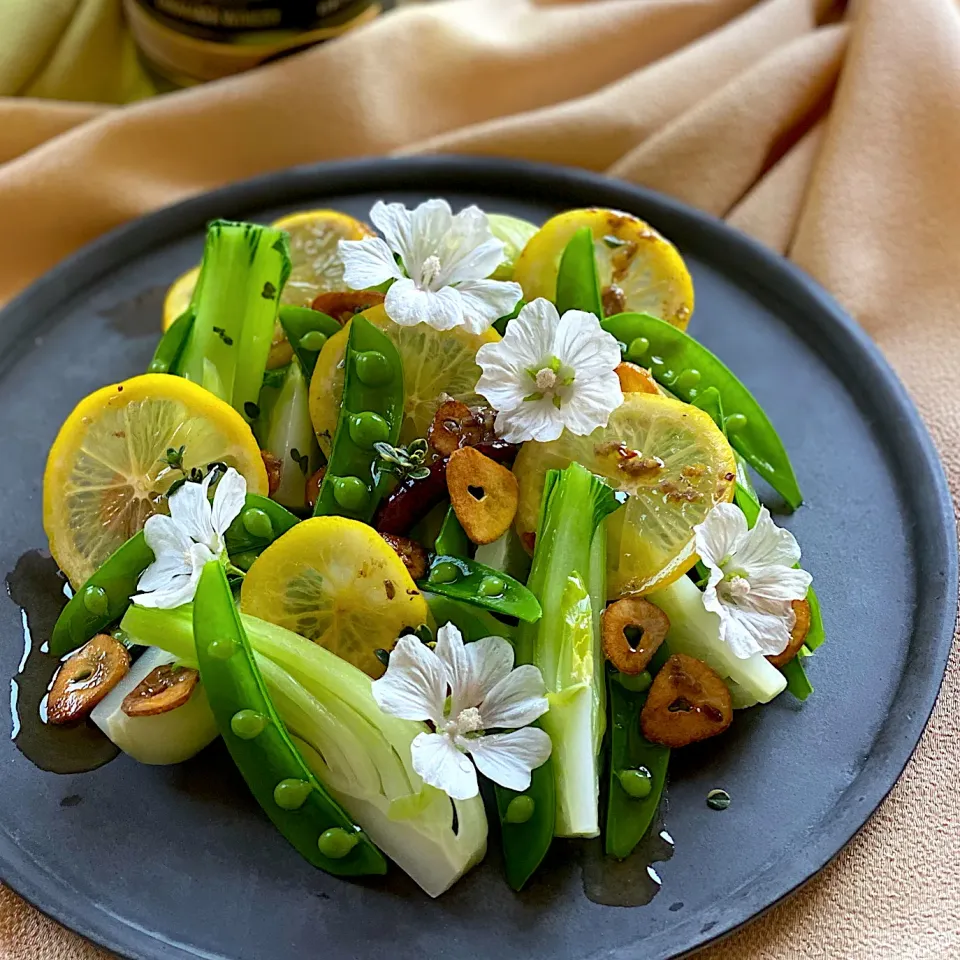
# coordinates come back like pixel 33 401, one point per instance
pixel 165 537
pixel 526 345
pixel 190 510
pixel 430 225
pixel 408 305
pixel 766 545
pixel 723 528
pixel 393 221
pixel 755 628
pixel 485 301
pixel 589 403
pixel 228 500
pixel 488 662
pixel 367 263
pixel 415 684
pixel 532 420
pixel 162 571
pixel 780 584
pixel 509 758
pixel 450 649
pixel 182 586
pixel 516 700
pixel 470 250
pixel 530 335
pixel 442 765
pixel 581 343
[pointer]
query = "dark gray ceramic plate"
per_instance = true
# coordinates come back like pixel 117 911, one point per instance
pixel 178 863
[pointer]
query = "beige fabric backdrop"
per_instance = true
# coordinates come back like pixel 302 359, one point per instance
pixel 832 135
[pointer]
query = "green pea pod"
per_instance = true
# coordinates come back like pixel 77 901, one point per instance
pixel 261 747
pixel 170 348
pixel 474 583
pixel 307 330
pixel 629 817
pixel 259 523
pixel 371 412
pixel 452 541
pixel 710 401
pixel 745 496
pixel 104 598
pixel 578 286
pixel 502 323
pixel 527 828
pixel 797 681
pixel 816 634
pixel 472 622
pixel 687 368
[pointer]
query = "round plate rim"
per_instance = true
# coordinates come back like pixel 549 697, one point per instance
pixel 930 496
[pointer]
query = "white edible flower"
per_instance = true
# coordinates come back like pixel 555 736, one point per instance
pixel 549 373
pixel 445 261
pixel 188 539
pixel 465 690
pixel 752 579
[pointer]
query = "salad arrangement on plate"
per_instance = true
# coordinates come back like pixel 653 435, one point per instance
pixel 403 515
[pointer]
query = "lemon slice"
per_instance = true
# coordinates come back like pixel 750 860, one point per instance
pixel 638 269
pixel 107 470
pixel 315 236
pixel 434 362
pixel 338 583
pixel 672 461
pixel 178 296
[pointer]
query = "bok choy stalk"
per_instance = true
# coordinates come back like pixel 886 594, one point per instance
pixel 695 631
pixel 360 754
pixel 567 579
pixel 285 430
pixel 244 269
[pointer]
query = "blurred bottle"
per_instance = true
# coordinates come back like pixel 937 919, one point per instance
pixel 185 42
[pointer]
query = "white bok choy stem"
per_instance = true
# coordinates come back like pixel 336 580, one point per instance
pixel 567 578
pixel 695 631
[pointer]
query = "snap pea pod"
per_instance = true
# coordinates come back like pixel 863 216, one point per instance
pixel 526 824
pixel 104 598
pixel 630 809
pixel 501 324
pixel 710 401
pixel 307 330
pixel 798 683
pixel 471 582
pixel 451 540
pixel 578 286
pixel 370 413
pixel 171 345
pixel 259 523
pixel 687 368
pixel 261 747
pixel 472 622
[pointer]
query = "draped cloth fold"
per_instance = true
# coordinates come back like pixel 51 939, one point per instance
pixel 830 132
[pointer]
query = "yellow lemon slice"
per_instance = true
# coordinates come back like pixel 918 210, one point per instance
pixel 338 583
pixel 315 236
pixel 638 269
pixel 434 363
pixel 107 470
pixel 178 296
pixel 672 461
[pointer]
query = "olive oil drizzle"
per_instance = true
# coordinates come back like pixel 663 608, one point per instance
pixel 41 591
